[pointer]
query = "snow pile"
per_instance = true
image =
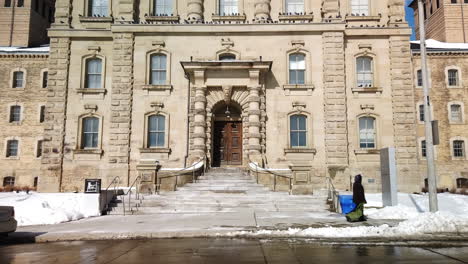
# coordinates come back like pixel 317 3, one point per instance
pixel 426 224
pixel 414 205
pixel 41 49
pixel 50 208
pixel 434 44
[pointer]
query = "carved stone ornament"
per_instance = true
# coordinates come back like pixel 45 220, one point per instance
pixel 158 106
pixel 227 43
pixel 227 91
pixel 299 106
pixel 91 108
pixel 94 49
pixel 366 49
pixel 298 44
pixel 368 108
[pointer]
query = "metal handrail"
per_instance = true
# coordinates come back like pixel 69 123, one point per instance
pixel 178 173
pixel 275 174
pixel 107 189
pixel 332 193
pixel 137 194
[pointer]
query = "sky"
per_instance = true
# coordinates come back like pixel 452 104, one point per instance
pixel 409 17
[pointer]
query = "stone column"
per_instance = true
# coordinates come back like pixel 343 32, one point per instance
pixel 195 10
pixel 56 108
pixel 121 103
pixel 199 116
pixel 403 114
pixel 254 120
pixel 336 142
pixel 262 9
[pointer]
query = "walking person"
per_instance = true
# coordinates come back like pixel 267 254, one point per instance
pixel 359 199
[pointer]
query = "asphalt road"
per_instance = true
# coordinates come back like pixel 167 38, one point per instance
pixel 223 251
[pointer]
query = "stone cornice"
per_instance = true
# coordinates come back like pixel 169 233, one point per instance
pixel 190 66
pixel 24 55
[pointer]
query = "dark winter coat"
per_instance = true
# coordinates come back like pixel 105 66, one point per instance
pixel 358 190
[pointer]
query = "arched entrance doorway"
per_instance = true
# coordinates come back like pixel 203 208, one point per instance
pixel 227 134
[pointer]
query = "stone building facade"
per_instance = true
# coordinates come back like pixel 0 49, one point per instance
pixel 447 66
pixel 24 23
pixel 446 20
pixel 312 87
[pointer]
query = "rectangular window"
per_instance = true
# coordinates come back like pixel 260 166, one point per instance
pixel 297 68
pixel 364 72
pixel 12 148
pixel 20 3
pixel 453 77
pixel 158 69
pixel 7 3
pixel 228 7
pixel 93 73
pixel 45 79
pixel 8 181
pixel 419 76
pixel 423 148
pixel 18 79
pixel 39 149
pixel 156 131
pixel 295 6
pixel 454 1
pixel 456 113
pixel 90 133
pixel 421 113
pixel 298 130
pixel 163 7
pixel 15 113
pixel 360 7
pixel 459 148
pixel 42 114
pixel 367 132
pixel 98 8
pixel 35 181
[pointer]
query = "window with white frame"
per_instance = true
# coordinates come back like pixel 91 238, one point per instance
pixel 156 131
pixel 15 113
pixel 453 77
pixel 294 6
pixel 298 131
pixel 360 7
pixel 297 68
pixel 93 74
pixel 419 78
pixel 367 132
pixel 8 181
pixel 98 8
pixel 423 148
pixel 45 79
pixel 163 7
pixel 12 148
pixel 158 69
pixel 421 113
pixel 39 149
pixel 456 113
pixel 459 148
pixel 90 133
pixel 228 7
pixel 18 79
pixel 365 74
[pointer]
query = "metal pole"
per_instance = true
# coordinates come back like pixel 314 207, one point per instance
pixel 431 170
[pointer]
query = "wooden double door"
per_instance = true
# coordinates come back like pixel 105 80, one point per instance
pixel 227 143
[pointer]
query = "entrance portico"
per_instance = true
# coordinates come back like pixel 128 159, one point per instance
pixel 229 83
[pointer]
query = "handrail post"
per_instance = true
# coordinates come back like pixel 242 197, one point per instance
pixel 274 182
pixel 290 186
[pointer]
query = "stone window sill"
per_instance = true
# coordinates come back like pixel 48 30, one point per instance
pixel 296 17
pixel 15 123
pixel 91 91
pixel 166 88
pixel 455 87
pixel 458 158
pixel 300 150
pixel 96 19
pixel 366 151
pixel 161 18
pixel 12 158
pixel 88 151
pixel 17 88
pixel 228 18
pixel 363 18
pixel 298 87
pixel 376 90
pixel 155 150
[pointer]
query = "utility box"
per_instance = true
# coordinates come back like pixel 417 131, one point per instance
pixel 388 172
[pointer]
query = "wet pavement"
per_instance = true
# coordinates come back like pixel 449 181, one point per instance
pixel 224 251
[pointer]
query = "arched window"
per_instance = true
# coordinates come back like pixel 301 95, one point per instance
pixel 298 131
pixel 227 57
pixel 90 132
pixel 12 148
pixel 156 131
pixel 18 79
pixel 365 74
pixel 158 69
pixel 456 113
pixel 162 7
pixel 93 78
pixel 97 8
pixel 297 68
pixel 360 7
pixel 453 79
pixel 367 132
pixel 8 181
pixel 294 6
pixel 228 7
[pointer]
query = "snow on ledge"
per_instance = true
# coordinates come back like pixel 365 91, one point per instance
pixel 41 49
pixel 434 44
pixel 254 166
